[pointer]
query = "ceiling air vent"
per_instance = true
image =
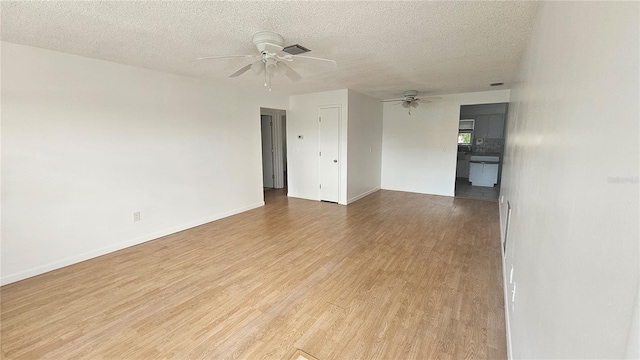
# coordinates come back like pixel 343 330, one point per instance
pixel 295 49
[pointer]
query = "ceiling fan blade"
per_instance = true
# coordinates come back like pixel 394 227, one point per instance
pixel 226 57
pixel 242 70
pixel 257 67
pixel 314 60
pixel 281 68
pixel 272 48
pixel 429 99
pixel 388 100
pixel 290 73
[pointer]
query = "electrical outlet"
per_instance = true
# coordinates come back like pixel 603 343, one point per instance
pixel 136 216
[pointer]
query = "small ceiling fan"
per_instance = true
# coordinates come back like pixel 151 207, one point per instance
pixel 410 100
pixel 272 58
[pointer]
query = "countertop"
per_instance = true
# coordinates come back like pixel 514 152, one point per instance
pixel 467 155
pixel 484 154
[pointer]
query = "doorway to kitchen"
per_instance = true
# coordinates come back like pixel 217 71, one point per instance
pixel 480 150
pixel 274 149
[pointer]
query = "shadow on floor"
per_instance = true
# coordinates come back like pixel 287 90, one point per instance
pixel 465 189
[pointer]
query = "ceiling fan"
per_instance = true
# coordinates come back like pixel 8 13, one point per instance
pixel 272 58
pixel 410 100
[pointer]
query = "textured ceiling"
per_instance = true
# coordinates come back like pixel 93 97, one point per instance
pixel 382 48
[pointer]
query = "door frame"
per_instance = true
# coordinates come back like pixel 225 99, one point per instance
pixel 341 158
pixel 278 139
pixel 264 118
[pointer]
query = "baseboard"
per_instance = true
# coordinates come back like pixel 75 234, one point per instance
pixel 291 195
pixel 416 192
pixel 119 246
pixel 367 193
pixel 505 286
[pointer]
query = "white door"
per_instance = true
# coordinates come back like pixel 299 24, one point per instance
pixel 267 151
pixel 329 126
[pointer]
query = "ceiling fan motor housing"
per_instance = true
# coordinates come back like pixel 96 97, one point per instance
pixel 410 93
pixel 260 39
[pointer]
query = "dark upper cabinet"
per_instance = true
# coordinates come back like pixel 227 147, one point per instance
pixel 481 127
pixel 496 126
pixel 489 126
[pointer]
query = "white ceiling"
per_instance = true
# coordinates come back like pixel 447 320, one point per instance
pixel 382 48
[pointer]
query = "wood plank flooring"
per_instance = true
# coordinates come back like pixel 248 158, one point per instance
pixel 393 276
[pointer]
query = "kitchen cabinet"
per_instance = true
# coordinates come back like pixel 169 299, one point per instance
pixel 483 170
pixel 481 127
pixel 489 126
pixel 496 126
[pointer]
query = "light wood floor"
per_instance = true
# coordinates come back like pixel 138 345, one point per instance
pixel 393 276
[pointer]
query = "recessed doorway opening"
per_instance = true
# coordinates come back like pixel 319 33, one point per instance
pixel 273 125
pixel 480 150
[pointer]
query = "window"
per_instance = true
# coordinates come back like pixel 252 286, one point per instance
pixel 464 138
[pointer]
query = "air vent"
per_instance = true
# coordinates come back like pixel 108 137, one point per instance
pixel 497 84
pixel 295 49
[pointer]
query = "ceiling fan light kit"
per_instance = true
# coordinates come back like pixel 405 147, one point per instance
pixel 272 58
pixel 270 65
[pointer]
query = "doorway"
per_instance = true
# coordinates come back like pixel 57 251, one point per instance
pixel 274 148
pixel 480 150
pixel 268 175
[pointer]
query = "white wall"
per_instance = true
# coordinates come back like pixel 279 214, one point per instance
pixel 86 142
pixel 571 176
pixel 364 146
pixel 302 154
pixel 419 150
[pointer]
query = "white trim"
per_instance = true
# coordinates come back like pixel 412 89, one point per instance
pixel 278 160
pixel 119 246
pixel 277 144
pixel 301 197
pixel 416 191
pixel 366 193
pixel 505 284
